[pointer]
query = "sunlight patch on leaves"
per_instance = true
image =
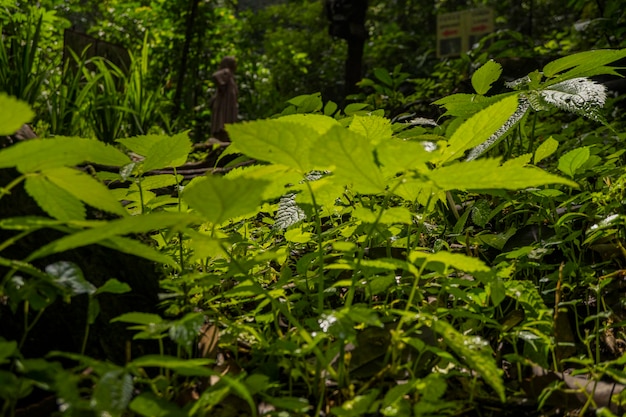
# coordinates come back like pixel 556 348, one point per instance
pixel 485 76
pixel 167 152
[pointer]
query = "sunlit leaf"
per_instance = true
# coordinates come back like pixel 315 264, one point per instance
pixel 487 174
pixel 14 114
pixel 485 76
pixel 53 199
pixel 84 187
pixel 350 157
pixel 375 128
pixel 219 199
pixel 570 162
pixel 168 152
pixel 547 148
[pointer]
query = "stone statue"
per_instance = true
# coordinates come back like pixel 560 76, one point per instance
pixel 224 103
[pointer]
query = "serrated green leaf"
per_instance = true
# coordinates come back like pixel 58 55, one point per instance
pixel 105 230
pixel 14 114
pixel 475 353
pixel 350 157
pixel 168 152
pixel 321 124
pixel 547 148
pixel 478 128
pixel 485 76
pixel 219 199
pixel 399 155
pixel 53 199
pixel 279 175
pixel 85 188
pixel 583 64
pixel 570 162
pixel 488 174
pixel 38 154
pixel 375 128
pixel 282 143
pixel 466 105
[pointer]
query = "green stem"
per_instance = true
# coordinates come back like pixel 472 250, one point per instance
pixel 7 190
pixel 320 252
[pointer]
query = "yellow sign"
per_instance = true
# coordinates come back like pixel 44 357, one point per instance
pixel 458 31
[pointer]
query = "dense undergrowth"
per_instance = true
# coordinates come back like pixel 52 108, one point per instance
pixel 359 267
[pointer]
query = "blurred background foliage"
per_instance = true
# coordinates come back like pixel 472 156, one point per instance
pixel 283 49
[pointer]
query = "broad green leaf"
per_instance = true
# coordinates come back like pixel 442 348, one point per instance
pixel 307 103
pixel 119 227
pixel 7 349
pixel 70 276
pixel 478 128
pixel 466 105
pixel 37 154
pixel 392 215
pixel 383 75
pixel 168 152
pixel 14 114
pixel 147 404
pixel 53 199
pixel 485 76
pixel 152 182
pixel 283 143
pixel 113 286
pixel 112 393
pixel 585 63
pixel 321 124
pixel 573 160
pixel 350 157
pixel 138 318
pixel 186 330
pixel 375 128
pixel 488 174
pixel 398 155
pixel 475 353
pixel 219 199
pixel 453 260
pixel 84 187
pixel 141 144
pixel 279 175
pixel 298 236
pixel 186 366
pixel 547 148
pixel 355 109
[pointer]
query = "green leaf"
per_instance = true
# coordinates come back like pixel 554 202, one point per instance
pixel 138 318
pixel 321 124
pixel 85 188
pixel 350 157
pixel 583 64
pixel 105 230
pixel 375 128
pixel 153 182
pixel 485 76
pixel 219 199
pixel 478 128
pixel 14 114
pixel 573 160
pixel 307 103
pixel 475 353
pixel 487 174
pixel 70 276
pixel 453 260
pixel 53 199
pixel 136 248
pixel 547 148
pixel 398 155
pixel 168 152
pixel 283 143
pixel 383 76
pixel 112 393
pixel 38 154
pixel 113 286
pixel 392 215
pixel 187 367
pixel 186 330
pixel 149 405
